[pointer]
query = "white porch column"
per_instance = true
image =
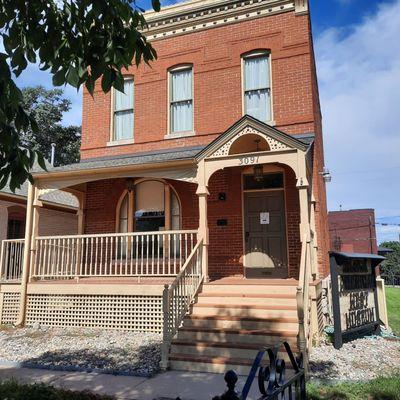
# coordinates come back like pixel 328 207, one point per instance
pixel 305 202
pixel 31 229
pixel 202 193
pixel 203 233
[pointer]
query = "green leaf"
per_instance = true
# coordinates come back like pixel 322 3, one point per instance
pixel 41 161
pixel 59 78
pixel 106 81
pixel 72 77
pixel 156 5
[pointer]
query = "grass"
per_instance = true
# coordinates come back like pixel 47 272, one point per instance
pixel 376 389
pixel 393 308
pixel 11 390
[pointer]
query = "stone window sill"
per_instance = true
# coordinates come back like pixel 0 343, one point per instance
pixel 121 142
pixel 178 135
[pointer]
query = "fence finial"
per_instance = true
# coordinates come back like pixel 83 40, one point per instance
pixel 231 379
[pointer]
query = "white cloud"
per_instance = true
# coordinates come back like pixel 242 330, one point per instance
pixel 359 81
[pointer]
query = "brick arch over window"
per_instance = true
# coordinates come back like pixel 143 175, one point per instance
pixel 148 205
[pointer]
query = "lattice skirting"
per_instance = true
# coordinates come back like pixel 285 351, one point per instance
pixel 10 307
pixel 125 312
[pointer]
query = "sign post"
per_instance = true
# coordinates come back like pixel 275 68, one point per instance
pixel 354 294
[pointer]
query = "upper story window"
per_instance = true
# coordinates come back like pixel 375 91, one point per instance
pixel 257 87
pixel 181 100
pixel 123 112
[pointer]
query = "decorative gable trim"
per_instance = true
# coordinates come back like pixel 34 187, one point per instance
pixel 277 140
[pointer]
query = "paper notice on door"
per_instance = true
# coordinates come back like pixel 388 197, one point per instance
pixel 264 218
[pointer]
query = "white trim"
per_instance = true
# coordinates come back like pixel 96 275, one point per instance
pixel 170 134
pixel 112 141
pixel 120 142
pixel 254 54
pixel 177 135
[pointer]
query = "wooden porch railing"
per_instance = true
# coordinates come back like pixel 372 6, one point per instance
pixel 303 300
pixel 161 253
pixel 11 259
pixel 178 297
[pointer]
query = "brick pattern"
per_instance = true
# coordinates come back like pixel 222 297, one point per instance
pixel 226 242
pixel 216 58
pixel 355 230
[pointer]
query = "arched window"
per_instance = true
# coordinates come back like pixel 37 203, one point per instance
pixel 149 205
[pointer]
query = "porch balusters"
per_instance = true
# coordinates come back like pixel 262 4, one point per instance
pixel 123 254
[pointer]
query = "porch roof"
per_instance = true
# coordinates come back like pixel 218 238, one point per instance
pixel 142 158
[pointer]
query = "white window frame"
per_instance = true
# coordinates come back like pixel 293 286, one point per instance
pixel 254 54
pixel 118 142
pixel 170 133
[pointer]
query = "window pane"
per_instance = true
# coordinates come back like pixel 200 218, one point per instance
pixel 181 85
pixel 182 116
pixel 123 125
pixel 256 73
pixel 124 101
pixel 258 104
pixel 268 181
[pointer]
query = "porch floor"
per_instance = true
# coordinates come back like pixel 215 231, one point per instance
pixel 241 280
pixel 108 280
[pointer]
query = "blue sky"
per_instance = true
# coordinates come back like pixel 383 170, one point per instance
pixel 358 62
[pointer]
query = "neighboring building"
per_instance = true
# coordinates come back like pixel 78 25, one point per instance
pixel 58 214
pixel 353 231
pixel 210 166
pixel 384 251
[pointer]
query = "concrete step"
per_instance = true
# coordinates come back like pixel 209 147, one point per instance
pixel 253 288
pixel 217 349
pixel 234 322
pixel 241 310
pixel 247 299
pixel 261 336
pixel 187 362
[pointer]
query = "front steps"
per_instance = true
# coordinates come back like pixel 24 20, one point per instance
pixel 231 321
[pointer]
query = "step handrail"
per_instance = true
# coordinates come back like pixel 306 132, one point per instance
pixel 178 297
pixel 303 299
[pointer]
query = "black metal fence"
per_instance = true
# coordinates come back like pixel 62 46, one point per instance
pixel 391 279
pixel 275 381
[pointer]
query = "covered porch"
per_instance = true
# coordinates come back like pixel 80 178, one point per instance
pixel 153 227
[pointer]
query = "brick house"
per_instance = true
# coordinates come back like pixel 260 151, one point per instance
pixel 353 231
pixel 58 213
pixel 202 205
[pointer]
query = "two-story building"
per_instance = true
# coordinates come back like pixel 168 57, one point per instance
pixel 202 205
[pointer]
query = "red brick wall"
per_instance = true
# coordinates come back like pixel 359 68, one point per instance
pixel 355 229
pixel 216 58
pixel 226 242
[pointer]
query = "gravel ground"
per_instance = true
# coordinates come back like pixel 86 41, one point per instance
pixel 113 352
pixel 360 359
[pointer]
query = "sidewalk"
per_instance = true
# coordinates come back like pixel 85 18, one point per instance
pixel 171 384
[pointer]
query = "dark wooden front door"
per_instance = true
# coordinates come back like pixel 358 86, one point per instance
pixel 265 234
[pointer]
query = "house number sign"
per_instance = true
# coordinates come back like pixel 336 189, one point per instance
pixel 354 295
pixel 248 160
